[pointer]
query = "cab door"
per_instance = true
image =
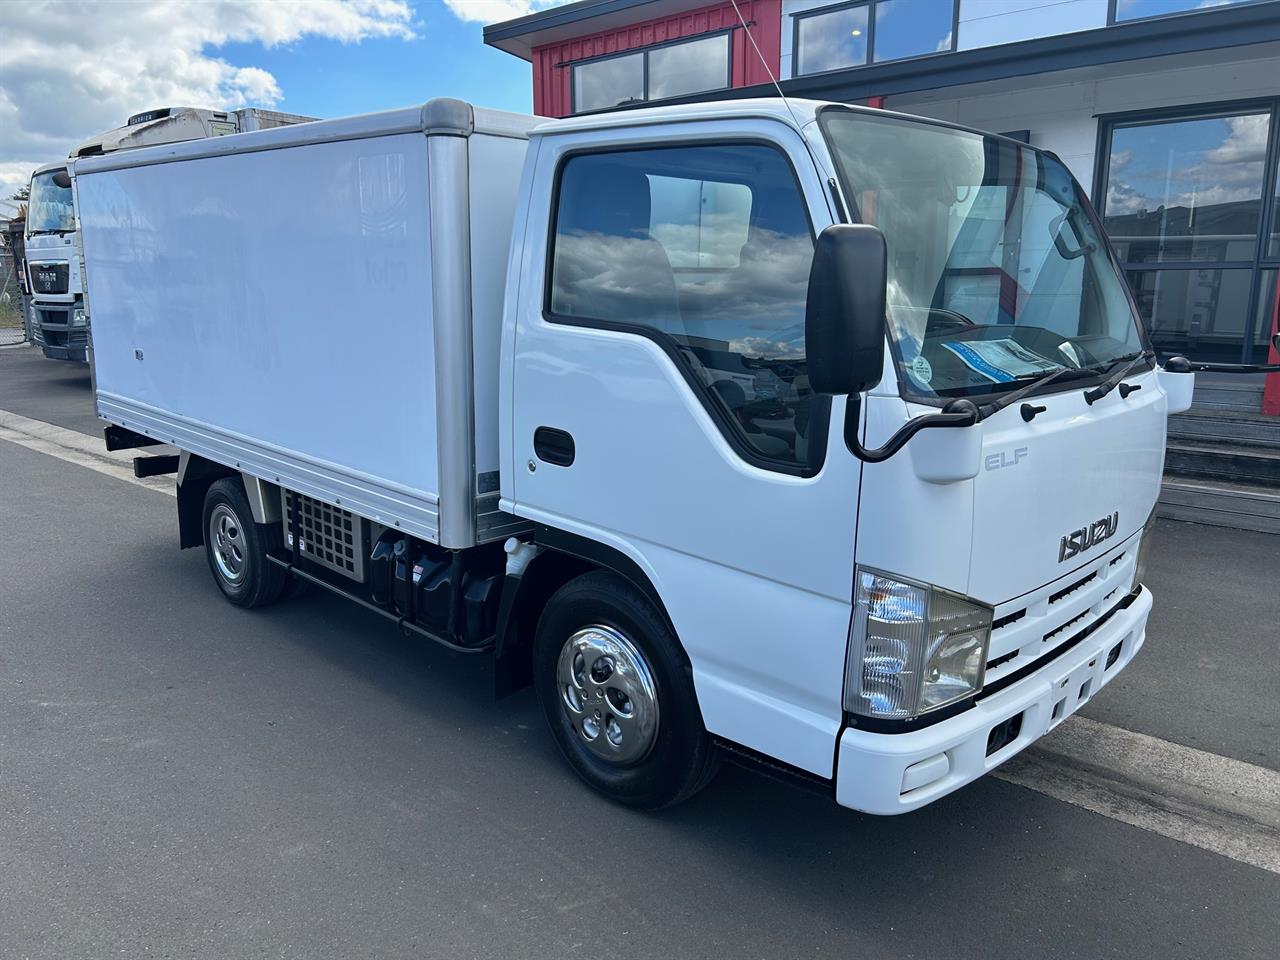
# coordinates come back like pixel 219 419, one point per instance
pixel 660 406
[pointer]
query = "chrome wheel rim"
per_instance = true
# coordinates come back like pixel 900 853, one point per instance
pixel 226 538
pixel 608 696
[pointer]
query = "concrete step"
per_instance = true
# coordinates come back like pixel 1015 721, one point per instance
pixel 1200 425
pixel 1213 396
pixel 1233 462
pixel 1242 506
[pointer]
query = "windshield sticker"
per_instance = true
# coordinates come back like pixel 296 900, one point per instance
pixel 1001 361
pixel 922 370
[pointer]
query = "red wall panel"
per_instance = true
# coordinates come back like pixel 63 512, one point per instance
pixel 764 18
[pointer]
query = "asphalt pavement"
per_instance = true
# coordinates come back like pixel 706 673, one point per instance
pixel 182 778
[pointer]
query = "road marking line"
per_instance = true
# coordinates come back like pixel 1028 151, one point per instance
pixel 77 448
pixel 1225 806
pixel 1222 805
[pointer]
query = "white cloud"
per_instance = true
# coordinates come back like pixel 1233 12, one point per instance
pixel 1246 140
pixel 496 11
pixel 76 68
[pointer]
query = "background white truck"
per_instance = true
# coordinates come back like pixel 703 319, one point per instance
pixel 58 321
pixel 614 399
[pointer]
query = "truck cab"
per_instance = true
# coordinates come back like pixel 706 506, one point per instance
pixel 53 266
pixel 898 616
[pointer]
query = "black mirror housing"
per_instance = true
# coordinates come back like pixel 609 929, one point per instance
pixel 61 179
pixel 845 311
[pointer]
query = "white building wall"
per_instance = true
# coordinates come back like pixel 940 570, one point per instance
pixel 1062 117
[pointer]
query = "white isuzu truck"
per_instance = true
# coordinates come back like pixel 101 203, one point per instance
pixel 813 436
pixel 58 324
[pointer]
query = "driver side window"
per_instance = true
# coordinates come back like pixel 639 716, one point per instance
pixel 705 249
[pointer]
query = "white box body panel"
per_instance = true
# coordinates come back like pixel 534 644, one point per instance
pixel 271 304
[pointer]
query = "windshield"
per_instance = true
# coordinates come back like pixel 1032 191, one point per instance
pixel 998 272
pixel 49 209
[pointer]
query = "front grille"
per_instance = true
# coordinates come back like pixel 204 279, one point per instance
pixel 1038 623
pixel 49 277
pixel 328 535
pixel 1070 588
pixel 54 326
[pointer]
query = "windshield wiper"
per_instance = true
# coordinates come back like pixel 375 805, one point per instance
pixel 1106 386
pixel 1008 399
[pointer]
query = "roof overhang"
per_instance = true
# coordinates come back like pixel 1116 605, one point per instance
pixel 1205 30
pixel 557 24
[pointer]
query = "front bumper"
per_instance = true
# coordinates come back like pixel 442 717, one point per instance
pixel 56 336
pixel 895 773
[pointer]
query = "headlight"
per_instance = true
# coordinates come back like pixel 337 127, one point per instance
pixel 1144 551
pixel 914 648
pixel 77 317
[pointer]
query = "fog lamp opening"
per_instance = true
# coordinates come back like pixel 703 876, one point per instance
pixel 1003 734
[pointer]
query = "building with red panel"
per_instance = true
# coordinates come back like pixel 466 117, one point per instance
pixel 1167 111
pixel 597 55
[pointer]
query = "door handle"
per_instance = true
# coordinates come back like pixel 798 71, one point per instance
pixel 554 446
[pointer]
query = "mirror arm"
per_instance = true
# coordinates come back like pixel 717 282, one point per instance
pixel 1183 365
pixel 957 413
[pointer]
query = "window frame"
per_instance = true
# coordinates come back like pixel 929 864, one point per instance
pixel 820 409
pixel 1269 210
pixel 643 52
pixel 871 60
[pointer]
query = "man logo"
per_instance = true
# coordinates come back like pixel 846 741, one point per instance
pixel 1078 541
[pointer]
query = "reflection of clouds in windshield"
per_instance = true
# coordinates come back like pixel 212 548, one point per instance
pixel 757 305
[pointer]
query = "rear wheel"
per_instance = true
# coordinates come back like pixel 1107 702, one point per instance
pixel 618 695
pixel 236 547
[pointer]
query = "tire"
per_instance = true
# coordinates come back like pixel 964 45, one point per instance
pixel 601 651
pixel 236 547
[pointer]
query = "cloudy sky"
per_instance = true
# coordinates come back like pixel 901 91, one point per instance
pixel 72 68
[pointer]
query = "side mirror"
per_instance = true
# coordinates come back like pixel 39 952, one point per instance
pixel 844 324
pixel 1178 381
pixel 61 179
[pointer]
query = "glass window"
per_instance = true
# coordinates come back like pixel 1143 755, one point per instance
pixel 607 83
pixel 689 67
pixel 911 28
pixel 985 23
pixel 1141 9
pixel 49 208
pixel 997 273
pixel 693 66
pixel 850 35
pixel 707 249
pixel 1187 189
pixel 700 223
pixel 1200 313
pixel 831 40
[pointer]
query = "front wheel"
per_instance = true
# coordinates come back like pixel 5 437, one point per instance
pixel 237 547
pixel 617 693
